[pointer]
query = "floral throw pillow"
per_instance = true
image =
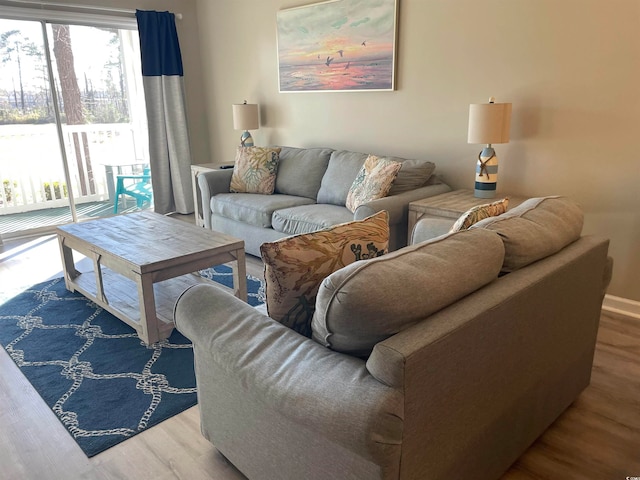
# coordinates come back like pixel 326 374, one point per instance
pixel 294 267
pixel 480 212
pixel 373 181
pixel 255 170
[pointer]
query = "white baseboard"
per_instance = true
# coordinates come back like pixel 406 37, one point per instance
pixel 621 306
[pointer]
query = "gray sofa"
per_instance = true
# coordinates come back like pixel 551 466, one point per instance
pixel 445 359
pixel 310 194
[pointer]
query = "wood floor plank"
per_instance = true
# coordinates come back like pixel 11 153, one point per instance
pixel 597 438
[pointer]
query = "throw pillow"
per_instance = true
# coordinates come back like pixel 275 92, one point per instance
pixel 480 212
pixel 373 181
pixel 295 266
pixel 255 170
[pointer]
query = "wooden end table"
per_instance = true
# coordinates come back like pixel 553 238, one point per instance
pixel 141 264
pixel 451 205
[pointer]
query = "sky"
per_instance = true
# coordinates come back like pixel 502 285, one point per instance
pixel 343 30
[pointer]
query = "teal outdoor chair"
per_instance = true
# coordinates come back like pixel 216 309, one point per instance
pixel 136 186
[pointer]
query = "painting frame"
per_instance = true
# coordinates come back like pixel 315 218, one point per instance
pixel 338 46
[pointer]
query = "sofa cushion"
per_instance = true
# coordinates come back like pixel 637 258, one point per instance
pixel 295 266
pixel 372 182
pixel 535 229
pixel 309 218
pixel 255 170
pixel 300 171
pixel 341 172
pixel 251 208
pixel 366 302
pixel 480 212
pixel 413 174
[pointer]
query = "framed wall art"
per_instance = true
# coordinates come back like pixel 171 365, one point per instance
pixel 338 45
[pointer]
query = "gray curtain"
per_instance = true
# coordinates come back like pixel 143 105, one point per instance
pixel 170 155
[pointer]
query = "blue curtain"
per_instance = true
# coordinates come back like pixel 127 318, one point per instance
pixel 170 155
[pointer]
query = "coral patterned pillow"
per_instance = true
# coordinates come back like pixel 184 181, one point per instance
pixel 294 267
pixel 480 212
pixel 373 181
pixel 255 170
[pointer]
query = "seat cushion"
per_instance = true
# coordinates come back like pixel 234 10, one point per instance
pixel 295 266
pixel 309 218
pixel 535 229
pixel 300 171
pixel 252 208
pixel 366 302
pixel 255 170
pixel 372 182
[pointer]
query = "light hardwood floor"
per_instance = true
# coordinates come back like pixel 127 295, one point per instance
pixel 597 438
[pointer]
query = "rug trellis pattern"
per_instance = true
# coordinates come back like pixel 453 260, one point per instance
pixel 102 382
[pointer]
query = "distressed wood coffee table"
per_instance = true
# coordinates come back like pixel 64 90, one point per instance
pixel 142 262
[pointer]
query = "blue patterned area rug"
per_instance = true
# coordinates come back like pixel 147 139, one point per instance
pixel 92 370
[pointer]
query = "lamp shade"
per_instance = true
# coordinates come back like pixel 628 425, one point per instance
pixel 489 123
pixel 245 116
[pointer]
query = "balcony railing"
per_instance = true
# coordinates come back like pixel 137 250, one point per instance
pixel 32 172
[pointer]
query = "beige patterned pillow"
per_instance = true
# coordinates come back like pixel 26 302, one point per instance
pixel 295 266
pixel 373 181
pixel 255 170
pixel 480 212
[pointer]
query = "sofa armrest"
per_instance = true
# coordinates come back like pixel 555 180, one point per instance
pixel 398 205
pixel 323 390
pixel 212 183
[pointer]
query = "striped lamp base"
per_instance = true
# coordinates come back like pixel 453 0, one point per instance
pixel 486 174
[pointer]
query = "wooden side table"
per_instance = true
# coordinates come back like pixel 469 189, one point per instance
pixel 450 205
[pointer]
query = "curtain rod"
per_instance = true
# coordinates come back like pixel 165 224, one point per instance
pixel 84 7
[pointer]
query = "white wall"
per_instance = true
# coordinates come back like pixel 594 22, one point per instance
pixel 571 68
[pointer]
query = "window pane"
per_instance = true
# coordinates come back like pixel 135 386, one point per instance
pixel 101 97
pixel 98 85
pixel 31 168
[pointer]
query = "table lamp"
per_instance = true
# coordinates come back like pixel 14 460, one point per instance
pixel 245 117
pixel 489 123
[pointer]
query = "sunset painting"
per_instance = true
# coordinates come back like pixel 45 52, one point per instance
pixel 339 45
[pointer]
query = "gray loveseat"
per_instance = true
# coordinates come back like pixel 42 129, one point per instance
pixel 436 366
pixel 310 194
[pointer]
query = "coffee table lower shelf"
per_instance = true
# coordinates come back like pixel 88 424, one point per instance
pixel 121 297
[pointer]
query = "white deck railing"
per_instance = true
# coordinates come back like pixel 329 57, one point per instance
pixel 31 168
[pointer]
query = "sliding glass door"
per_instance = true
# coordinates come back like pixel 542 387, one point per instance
pixel 72 119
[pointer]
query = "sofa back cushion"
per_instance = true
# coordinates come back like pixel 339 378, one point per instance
pixel 413 174
pixel 342 170
pixel 366 302
pixel 295 266
pixel 344 166
pixel 300 171
pixel 535 229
